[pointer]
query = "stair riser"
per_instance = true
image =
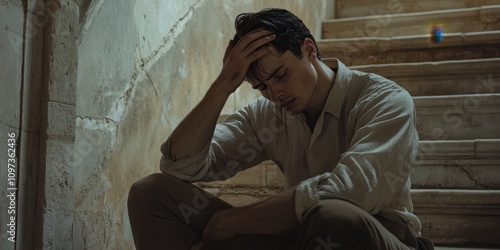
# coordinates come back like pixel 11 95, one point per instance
pixel 351 57
pixel 358 8
pixel 458 118
pixel 450 85
pixel 459 176
pixel 461 229
pixel 380 45
pixel 355 49
pixel 448 78
pixel 468 20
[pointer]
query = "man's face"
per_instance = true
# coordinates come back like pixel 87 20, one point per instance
pixel 287 80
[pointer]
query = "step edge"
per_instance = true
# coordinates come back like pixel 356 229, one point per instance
pixel 407 37
pixel 486 96
pixel 412 43
pixel 415 14
pixel 433 198
pixel 414 64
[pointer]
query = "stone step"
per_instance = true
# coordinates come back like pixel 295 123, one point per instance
pixel 357 8
pixel 458 117
pixel 480 76
pixel 415 48
pixel 405 24
pixel 266 176
pixel 468 164
pixel 449 217
pixel 459 217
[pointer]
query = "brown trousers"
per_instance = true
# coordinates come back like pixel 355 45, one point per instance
pixel 167 213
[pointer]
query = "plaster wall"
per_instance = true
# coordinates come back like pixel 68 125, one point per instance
pixel 24 97
pixel 11 58
pixel 142 66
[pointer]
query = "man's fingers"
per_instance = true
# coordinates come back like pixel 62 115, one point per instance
pixel 249 38
pixel 242 50
pixel 249 43
pixel 238 56
pixel 256 30
pixel 258 44
pixel 258 54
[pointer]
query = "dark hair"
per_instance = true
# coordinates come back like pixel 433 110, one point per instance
pixel 290 31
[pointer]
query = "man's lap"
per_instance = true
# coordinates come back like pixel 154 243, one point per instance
pixel 190 205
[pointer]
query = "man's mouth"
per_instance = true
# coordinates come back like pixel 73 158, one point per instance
pixel 287 104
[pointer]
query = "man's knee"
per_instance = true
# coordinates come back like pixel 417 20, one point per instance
pixel 152 182
pixel 146 189
pixel 335 215
pixel 329 223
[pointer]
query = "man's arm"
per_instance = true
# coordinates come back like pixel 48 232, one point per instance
pixel 197 128
pixel 272 216
pixel 374 172
pixel 384 146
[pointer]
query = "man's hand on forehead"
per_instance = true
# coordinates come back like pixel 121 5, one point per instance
pixel 240 54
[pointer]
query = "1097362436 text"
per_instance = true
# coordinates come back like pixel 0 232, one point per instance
pixel 11 186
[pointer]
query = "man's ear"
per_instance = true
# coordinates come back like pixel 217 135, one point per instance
pixel 309 49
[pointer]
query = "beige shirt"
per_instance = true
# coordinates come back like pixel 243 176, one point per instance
pixel 362 148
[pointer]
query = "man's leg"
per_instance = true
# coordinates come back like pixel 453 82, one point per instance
pixel 336 224
pixel 167 213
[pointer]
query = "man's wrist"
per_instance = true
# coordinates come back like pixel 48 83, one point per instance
pixel 218 93
pixel 225 86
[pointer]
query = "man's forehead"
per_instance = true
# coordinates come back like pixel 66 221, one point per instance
pixel 264 67
pixel 270 62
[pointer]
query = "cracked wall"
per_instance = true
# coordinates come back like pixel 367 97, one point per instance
pixel 95 87
pixel 142 65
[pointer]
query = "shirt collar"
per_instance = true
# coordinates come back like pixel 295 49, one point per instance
pixel 338 91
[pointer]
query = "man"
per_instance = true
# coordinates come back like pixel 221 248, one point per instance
pixel 345 141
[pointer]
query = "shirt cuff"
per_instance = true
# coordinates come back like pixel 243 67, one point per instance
pixel 306 196
pixel 192 168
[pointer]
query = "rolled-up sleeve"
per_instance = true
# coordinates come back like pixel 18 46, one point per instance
pixel 192 168
pixel 231 150
pixel 379 157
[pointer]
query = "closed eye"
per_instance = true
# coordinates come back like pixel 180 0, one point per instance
pixel 280 77
pixel 260 87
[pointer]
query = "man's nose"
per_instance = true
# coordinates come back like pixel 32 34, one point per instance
pixel 276 92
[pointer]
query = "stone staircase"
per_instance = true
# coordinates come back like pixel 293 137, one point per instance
pixel 455 85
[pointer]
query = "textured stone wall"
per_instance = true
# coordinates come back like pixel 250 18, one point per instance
pixel 11 58
pixel 142 66
pixel 91 88
pixel 38 112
